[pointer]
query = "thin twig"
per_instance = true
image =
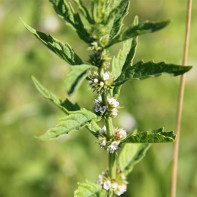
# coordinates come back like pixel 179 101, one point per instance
pixel 180 104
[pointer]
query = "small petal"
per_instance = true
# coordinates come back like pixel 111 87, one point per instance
pixel 105 76
pixel 107 185
pixel 99 180
pixel 103 130
pixel 102 84
pixel 121 189
pixel 122 133
pixel 114 185
pixel 114 112
pixel 96 80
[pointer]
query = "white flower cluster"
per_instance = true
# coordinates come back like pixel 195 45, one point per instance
pixel 100 85
pixel 118 186
pixel 99 106
pixel 110 109
pixel 112 144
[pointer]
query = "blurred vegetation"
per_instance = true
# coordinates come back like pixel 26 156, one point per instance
pixel 30 168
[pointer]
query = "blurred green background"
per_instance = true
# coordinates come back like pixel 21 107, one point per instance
pixel 30 168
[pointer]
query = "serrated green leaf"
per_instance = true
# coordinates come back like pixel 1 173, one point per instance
pixel 140 29
pixel 64 51
pixel 66 11
pixel 75 76
pixel 117 16
pixel 130 155
pixel 127 64
pixel 49 95
pixel 154 136
pixel 66 106
pixel 88 189
pixel 119 60
pixel 124 58
pixel 70 106
pixel 143 70
pixel 74 121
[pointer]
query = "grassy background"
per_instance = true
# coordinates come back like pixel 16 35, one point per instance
pixel 30 168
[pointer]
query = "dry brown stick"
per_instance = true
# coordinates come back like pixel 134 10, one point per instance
pixel 180 104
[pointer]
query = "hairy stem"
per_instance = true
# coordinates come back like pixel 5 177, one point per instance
pixel 112 157
pixel 110 133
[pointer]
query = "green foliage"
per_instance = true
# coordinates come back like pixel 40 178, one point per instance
pixel 152 136
pixel 74 121
pixel 54 167
pixel 140 29
pixel 143 70
pixel 117 16
pixel 66 11
pixel 123 62
pixel 75 76
pixel 93 128
pixel 64 51
pixel 89 189
pixel 103 30
pixel 49 95
pixel 119 61
pixel 65 105
pixel 130 155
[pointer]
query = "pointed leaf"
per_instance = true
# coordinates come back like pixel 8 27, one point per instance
pixel 89 189
pixel 130 155
pixel 64 51
pixel 143 70
pixel 75 76
pixel 66 11
pixel 124 58
pixel 154 136
pixel 74 121
pixel 70 106
pixel 140 29
pixel 117 16
pixel 48 95
pixel 83 10
pixel 119 60
pixel 127 59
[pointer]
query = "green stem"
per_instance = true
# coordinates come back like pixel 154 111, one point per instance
pixel 112 157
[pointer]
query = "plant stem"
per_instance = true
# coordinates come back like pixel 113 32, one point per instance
pixel 110 133
pixel 112 157
pixel 180 104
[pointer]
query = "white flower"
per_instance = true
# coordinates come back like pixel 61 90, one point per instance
pixel 103 131
pixel 105 76
pixel 95 80
pixel 113 102
pixel 103 109
pixel 102 84
pixel 114 185
pixel 121 189
pixel 102 141
pixel 112 147
pixel 98 106
pixel 114 112
pixel 107 185
pixel 123 177
pixel 122 133
pixel 99 99
pixel 99 180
